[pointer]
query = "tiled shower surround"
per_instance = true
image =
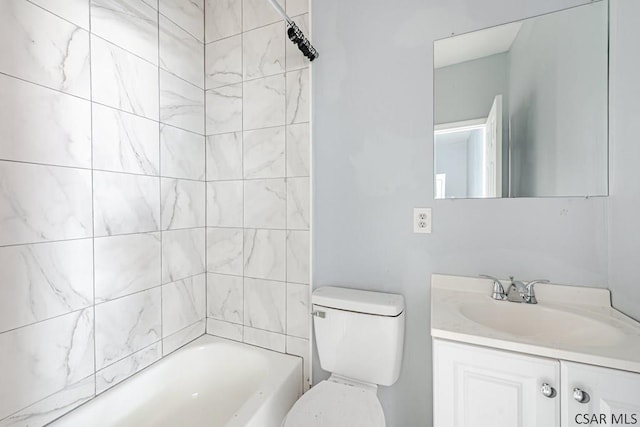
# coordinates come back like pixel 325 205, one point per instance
pixel 128 213
pixel 257 127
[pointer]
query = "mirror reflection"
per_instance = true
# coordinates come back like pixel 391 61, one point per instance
pixel 521 109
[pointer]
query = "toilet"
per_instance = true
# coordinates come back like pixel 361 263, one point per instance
pixel 360 336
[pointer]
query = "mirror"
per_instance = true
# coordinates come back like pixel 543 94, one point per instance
pixel 521 109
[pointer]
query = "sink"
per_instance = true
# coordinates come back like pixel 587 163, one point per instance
pixel 542 323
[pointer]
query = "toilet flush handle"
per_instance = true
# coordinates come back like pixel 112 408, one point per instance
pixel 317 313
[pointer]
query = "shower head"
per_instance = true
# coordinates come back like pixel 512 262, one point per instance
pixel 298 38
pixel 295 34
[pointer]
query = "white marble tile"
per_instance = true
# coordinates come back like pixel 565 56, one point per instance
pixel 265 339
pixel 181 103
pixel 183 303
pixel 39 360
pixel 44 280
pixel 224 250
pixel 183 253
pixel 224 156
pixel 126 264
pixel 298 94
pixel 298 248
pixel 125 203
pixel 264 153
pixel 41 203
pixel 183 337
pixel 298 203
pixel 295 58
pixel 296 7
pixel 225 296
pixel 122 80
pixel 224 109
pixel 264 102
pixel 123 142
pixel 263 51
pixel 265 304
pixel 126 325
pixel 224 204
pixel 298 312
pixel 40 125
pixel 298 150
pixel 265 203
pixel 302 348
pixel 129 24
pixel 188 14
pixel 180 53
pixel 123 369
pixel 183 203
pixel 76 11
pixel 223 329
pixel 256 13
pixel 223 18
pixel 40 47
pixel 48 409
pixel 264 254
pixel 223 60
pixel 182 153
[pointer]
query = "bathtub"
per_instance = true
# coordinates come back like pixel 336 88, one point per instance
pixel 210 382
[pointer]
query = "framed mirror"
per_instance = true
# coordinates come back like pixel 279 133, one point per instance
pixel 521 109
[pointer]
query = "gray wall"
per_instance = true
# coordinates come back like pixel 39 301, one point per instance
pixel 372 163
pixel 624 200
pixel 558 144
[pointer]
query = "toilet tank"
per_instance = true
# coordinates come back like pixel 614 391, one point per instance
pixel 359 334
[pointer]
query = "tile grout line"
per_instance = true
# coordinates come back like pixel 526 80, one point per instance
pixel 206 152
pixel 244 296
pixel 93 214
pixel 160 171
pixel 286 198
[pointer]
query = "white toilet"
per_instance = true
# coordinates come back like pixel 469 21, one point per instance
pixel 360 336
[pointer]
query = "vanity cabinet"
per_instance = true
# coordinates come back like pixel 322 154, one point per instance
pixel 482 387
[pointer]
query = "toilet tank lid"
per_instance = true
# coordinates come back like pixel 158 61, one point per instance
pixel 377 303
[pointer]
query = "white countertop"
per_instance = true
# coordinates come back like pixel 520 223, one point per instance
pixel 619 349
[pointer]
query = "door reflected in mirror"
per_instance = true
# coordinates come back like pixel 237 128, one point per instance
pixel 521 109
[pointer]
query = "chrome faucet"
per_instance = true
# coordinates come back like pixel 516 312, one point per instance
pixel 523 292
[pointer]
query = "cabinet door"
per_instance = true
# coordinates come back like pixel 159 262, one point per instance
pixel 480 387
pixel 613 396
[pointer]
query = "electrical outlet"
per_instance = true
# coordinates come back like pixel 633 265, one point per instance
pixel 422 220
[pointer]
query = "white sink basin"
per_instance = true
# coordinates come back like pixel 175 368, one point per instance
pixel 543 323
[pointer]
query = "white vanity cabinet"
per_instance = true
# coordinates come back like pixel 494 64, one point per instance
pixel 612 396
pixel 481 387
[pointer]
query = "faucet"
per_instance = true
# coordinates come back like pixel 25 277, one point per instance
pixel 523 292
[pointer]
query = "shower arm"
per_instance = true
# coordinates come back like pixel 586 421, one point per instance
pixel 295 34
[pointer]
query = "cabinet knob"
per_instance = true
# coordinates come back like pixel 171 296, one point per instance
pixel 548 391
pixel 580 396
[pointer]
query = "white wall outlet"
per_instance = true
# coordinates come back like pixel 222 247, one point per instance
pixel 422 220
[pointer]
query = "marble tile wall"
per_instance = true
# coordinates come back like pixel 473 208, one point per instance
pixel 258 185
pixel 103 201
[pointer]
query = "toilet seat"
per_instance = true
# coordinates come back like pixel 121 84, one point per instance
pixel 333 403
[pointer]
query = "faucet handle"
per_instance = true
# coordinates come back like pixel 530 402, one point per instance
pixel 529 294
pixel 498 291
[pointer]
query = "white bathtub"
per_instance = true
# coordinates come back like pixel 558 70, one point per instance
pixel 211 382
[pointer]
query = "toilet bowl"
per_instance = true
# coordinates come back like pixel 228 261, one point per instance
pixel 360 337
pixel 337 403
